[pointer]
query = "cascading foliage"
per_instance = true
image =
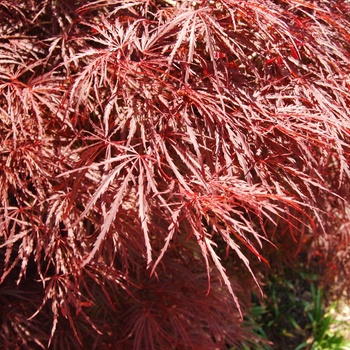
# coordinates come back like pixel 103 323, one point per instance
pixel 153 155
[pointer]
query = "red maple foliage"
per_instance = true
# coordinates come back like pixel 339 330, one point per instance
pixel 154 155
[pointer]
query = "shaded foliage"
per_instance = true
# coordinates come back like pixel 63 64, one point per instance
pixel 142 142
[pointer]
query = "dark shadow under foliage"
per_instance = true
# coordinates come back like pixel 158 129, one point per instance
pixel 153 157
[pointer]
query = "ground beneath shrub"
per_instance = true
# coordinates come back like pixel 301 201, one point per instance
pixel 342 314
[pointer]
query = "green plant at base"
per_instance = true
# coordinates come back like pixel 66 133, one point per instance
pixel 325 333
pixel 294 309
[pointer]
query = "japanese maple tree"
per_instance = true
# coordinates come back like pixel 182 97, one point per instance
pixel 155 155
